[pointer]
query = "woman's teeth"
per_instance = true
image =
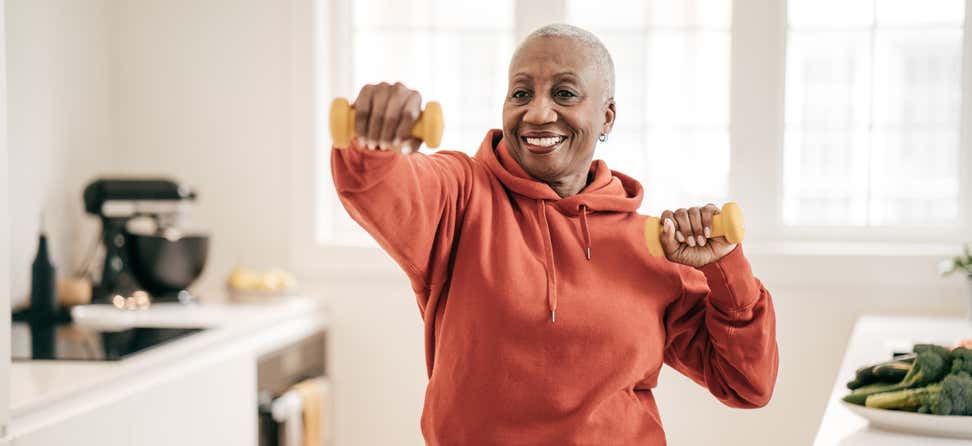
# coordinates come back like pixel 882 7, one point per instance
pixel 545 142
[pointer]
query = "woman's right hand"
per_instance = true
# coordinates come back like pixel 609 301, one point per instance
pixel 384 115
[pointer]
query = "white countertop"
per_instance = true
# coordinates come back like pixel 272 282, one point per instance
pixel 42 386
pixel 873 340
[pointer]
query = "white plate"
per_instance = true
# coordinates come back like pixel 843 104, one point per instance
pixel 915 423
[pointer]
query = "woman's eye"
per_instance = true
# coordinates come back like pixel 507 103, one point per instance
pixel 519 94
pixel 564 94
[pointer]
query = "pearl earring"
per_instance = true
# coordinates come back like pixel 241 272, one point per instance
pixel 603 137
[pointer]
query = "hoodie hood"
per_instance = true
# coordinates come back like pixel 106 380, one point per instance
pixel 606 191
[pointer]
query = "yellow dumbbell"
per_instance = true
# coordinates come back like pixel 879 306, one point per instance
pixel 428 128
pixel 729 224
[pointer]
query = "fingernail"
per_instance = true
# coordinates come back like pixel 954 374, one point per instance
pixel 679 236
pixel 691 241
pixel 397 142
pixel 708 232
pixel 701 241
pixel 371 145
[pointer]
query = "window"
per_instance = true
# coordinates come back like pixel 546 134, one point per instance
pixel 873 96
pixel 672 92
pixel 452 52
pixel 845 116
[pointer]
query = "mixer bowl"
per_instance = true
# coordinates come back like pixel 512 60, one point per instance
pixel 167 265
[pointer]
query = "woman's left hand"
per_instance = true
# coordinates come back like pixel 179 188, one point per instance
pixel 684 236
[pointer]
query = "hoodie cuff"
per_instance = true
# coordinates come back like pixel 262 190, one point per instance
pixel 356 168
pixel 734 288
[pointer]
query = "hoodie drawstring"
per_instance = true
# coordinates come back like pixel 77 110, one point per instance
pixel 548 256
pixel 548 263
pixel 586 231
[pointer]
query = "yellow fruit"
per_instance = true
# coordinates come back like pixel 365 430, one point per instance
pixel 242 279
pixel 269 282
pixel 289 280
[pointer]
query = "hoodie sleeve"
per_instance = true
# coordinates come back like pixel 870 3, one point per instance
pixel 411 204
pixel 721 331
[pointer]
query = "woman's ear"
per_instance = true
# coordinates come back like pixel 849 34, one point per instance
pixel 609 115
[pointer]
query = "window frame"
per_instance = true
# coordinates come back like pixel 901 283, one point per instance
pixel 756 129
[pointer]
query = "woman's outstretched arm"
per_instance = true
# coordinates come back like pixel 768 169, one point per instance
pixel 411 203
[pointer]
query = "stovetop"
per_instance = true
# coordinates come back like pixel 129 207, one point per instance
pixel 67 341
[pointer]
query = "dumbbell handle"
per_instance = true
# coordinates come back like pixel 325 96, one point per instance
pixel 728 223
pixel 428 128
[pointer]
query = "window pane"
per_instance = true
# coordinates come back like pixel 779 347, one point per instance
pixel 455 53
pixel 620 14
pixel 872 117
pixel 830 13
pixel 668 13
pixel 392 55
pixel 672 94
pixel 916 120
pixel 695 173
pixel 461 64
pixel 390 13
pixel 470 84
pixel 905 12
pixel 466 15
pixel 827 119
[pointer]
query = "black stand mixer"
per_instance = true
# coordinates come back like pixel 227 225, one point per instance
pixel 146 248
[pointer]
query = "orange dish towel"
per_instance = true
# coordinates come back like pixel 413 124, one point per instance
pixel 315 398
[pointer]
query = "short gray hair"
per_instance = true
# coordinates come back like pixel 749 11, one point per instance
pixel 602 58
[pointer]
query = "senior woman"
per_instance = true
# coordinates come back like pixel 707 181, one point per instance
pixel 546 319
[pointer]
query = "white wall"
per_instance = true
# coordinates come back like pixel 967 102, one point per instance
pixel 203 93
pixel 61 103
pixel 193 90
pixel 4 239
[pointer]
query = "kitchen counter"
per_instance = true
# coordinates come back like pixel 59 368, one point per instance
pixel 873 340
pixel 40 390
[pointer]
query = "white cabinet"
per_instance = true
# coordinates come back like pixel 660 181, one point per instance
pixel 102 426
pixel 216 405
pixel 207 402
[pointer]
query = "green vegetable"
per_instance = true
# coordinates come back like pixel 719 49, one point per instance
pixel 945 353
pixel 928 368
pixel 959 263
pixel 952 396
pixel 904 399
pixel 863 376
pixel 961 360
pixel 893 371
pixel 886 372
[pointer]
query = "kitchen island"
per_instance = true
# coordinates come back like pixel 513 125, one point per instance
pixel 873 340
pixel 199 389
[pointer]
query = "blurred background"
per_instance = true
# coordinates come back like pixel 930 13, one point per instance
pixel 841 127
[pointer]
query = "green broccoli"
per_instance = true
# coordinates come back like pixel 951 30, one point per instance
pixel 945 353
pixel 928 368
pixel 952 396
pixel 961 360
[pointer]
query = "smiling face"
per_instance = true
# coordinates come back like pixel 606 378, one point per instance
pixel 556 108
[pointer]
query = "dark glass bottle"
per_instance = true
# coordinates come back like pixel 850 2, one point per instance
pixel 43 296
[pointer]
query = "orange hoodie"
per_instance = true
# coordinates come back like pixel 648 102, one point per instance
pixel 546 320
